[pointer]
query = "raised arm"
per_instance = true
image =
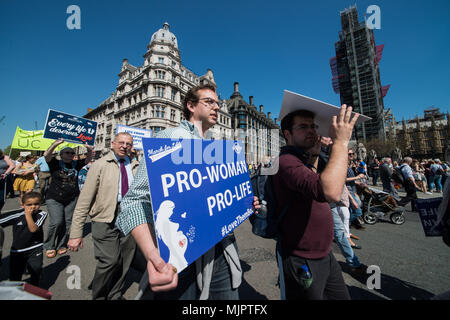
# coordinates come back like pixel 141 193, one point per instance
pixel 335 173
pixel 49 152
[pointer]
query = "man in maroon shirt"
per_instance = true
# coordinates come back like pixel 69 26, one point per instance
pixel 306 231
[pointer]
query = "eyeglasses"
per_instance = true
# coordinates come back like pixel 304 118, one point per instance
pixel 72 153
pixel 210 102
pixel 351 154
pixel 306 126
pixel 123 143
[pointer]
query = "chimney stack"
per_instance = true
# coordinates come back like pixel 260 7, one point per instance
pixel 268 115
pixel 276 119
pixel 261 108
pixel 236 87
pixel 251 100
pixel 124 61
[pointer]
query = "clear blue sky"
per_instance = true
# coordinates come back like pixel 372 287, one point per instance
pixel 267 46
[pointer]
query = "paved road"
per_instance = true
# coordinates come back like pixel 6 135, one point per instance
pixel 412 266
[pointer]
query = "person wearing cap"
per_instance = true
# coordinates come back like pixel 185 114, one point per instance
pixel 106 184
pixel 306 230
pixel 62 196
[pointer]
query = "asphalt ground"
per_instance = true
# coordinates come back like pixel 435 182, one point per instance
pixel 412 266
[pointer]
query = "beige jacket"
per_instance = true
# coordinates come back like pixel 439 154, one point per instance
pixel 98 198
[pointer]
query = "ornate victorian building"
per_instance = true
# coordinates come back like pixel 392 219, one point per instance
pixel 150 97
pixel 424 137
pixel 263 138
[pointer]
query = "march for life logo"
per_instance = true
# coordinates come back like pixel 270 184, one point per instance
pixel 70 128
pixel 200 192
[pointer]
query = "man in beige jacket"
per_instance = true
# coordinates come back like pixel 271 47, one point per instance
pixel 106 183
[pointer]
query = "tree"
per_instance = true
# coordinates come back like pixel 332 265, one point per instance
pixel 382 148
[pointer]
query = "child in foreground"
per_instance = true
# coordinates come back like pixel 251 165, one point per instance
pixel 28 237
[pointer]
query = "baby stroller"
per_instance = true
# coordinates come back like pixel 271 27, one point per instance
pixel 381 205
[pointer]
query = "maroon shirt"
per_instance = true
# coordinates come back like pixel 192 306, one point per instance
pixel 307 228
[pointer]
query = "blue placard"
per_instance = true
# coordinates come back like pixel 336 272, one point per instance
pixel 136 133
pixel 70 128
pixel 428 215
pixel 200 191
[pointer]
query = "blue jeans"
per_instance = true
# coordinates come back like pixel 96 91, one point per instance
pixel 355 213
pixel 342 241
pixel 60 222
pixel 436 181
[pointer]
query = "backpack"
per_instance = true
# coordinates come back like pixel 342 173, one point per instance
pixel 397 175
pixel 265 223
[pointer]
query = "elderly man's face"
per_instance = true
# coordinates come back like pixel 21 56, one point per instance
pixel 122 145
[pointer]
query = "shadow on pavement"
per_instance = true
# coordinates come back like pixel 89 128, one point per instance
pixel 390 287
pixel 246 291
pixel 51 272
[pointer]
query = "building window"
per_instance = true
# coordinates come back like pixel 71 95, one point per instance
pixel 160 91
pixel 172 115
pixel 159 111
pixel 156 130
pixel 174 64
pixel 173 94
pixel 161 60
pixel 160 74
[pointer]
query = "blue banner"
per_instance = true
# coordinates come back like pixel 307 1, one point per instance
pixel 428 216
pixel 136 133
pixel 200 191
pixel 70 128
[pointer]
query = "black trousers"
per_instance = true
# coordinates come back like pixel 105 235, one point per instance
pixel 328 282
pixel 32 260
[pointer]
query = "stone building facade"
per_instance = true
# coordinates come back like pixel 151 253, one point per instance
pixel 150 97
pixel 423 137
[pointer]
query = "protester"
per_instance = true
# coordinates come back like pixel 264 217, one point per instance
pixel 218 273
pixel 82 174
pixel 375 166
pixel 107 182
pixel 62 196
pixel 351 182
pixel 26 248
pixel 44 176
pixel 6 167
pixel 419 176
pixel 306 231
pixel 25 172
pixel 436 176
pixel 409 185
pixel 386 178
pixel 342 235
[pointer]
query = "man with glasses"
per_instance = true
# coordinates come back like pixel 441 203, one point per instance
pixel 218 273
pixel 62 196
pixel 107 182
pixel 306 230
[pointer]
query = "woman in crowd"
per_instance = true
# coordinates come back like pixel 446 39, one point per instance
pixel 6 167
pixel 62 196
pixel 25 172
pixel 419 176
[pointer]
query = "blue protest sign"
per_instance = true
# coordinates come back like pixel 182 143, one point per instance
pixel 136 133
pixel 428 216
pixel 70 128
pixel 200 191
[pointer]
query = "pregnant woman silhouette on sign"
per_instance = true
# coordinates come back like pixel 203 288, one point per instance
pixel 168 232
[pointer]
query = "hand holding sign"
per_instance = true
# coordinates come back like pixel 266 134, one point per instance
pixel 341 126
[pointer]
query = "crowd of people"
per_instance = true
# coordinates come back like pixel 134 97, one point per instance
pixel 318 177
